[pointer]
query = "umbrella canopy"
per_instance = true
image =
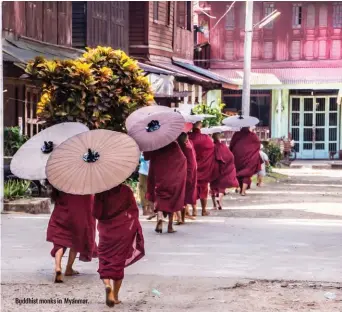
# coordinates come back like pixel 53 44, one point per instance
pixel 92 162
pixel 143 112
pixel 188 127
pixel 29 161
pixel 240 121
pixel 157 130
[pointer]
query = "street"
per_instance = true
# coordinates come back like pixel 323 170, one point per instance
pixel 284 258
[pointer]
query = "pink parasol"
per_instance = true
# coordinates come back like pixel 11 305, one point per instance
pixel 143 112
pixel 157 130
pixel 188 127
pixel 92 162
pixel 29 161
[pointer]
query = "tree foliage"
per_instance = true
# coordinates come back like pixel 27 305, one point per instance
pixel 215 111
pixel 99 89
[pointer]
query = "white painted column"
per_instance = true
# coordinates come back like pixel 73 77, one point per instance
pixel 279 113
pixel 185 88
pixel 200 94
pixel 193 94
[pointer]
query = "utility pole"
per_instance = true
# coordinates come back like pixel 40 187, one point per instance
pixel 247 64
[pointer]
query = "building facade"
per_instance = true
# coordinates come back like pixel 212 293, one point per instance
pixel 296 68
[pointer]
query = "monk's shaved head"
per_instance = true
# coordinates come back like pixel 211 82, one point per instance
pixel 198 125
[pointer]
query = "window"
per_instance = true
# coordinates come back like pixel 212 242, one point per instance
pixel 311 16
pixel 323 16
pixel 230 19
pixel 296 15
pixel 184 10
pixel 268 9
pixel 155 10
pixel 337 15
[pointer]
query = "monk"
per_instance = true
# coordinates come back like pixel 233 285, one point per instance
pixel 225 171
pixel 245 146
pixel 121 241
pixel 166 182
pixel 191 176
pixel 71 226
pixel 204 148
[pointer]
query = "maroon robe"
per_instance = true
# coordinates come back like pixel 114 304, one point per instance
pixel 167 178
pixel 72 225
pixel 121 241
pixel 205 156
pixel 191 176
pixel 225 170
pixel 245 146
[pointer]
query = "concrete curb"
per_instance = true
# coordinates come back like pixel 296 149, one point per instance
pixel 29 205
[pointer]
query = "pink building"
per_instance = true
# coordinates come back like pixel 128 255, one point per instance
pixel 296 68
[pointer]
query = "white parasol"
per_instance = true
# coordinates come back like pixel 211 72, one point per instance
pixel 240 121
pixel 30 160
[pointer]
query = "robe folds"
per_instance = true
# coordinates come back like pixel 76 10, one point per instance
pixel 167 178
pixel 225 170
pixel 245 146
pixel 121 241
pixel 72 225
pixel 205 156
pixel 191 176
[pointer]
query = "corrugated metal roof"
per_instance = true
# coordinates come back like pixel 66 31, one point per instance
pixel 204 72
pixel 182 71
pixel 286 76
pixel 24 50
pixel 157 70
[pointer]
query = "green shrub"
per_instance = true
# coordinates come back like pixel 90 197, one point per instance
pixel 16 189
pixel 13 140
pixel 99 89
pixel 273 152
pixel 215 111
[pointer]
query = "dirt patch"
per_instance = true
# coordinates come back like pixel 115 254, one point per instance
pixel 179 294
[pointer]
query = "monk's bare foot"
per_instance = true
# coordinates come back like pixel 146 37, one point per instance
pixel 205 213
pixel 179 223
pixel 58 277
pixel 190 217
pixel 110 301
pixel 71 272
pixel 117 301
pixel 170 231
pixel 243 194
pixel 151 217
pixel 159 227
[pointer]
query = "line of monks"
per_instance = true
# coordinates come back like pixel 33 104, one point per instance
pixel 179 175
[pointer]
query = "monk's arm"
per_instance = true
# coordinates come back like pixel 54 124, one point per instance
pixel 98 207
pixel 147 155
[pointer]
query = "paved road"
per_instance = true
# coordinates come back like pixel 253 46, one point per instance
pixel 203 260
pixel 305 194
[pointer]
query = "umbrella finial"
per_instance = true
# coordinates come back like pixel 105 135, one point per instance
pixel 47 148
pixel 91 156
pixel 153 126
pixel 240 115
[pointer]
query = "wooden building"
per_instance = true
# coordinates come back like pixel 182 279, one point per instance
pixel 296 68
pixel 161 34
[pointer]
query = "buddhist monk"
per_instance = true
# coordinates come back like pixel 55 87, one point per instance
pixel 71 226
pixel 204 148
pixel 121 241
pixel 225 171
pixel 191 176
pixel 166 182
pixel 245 146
